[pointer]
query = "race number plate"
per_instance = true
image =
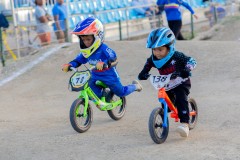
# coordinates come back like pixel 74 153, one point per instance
pixel 79 79
pixel 159 81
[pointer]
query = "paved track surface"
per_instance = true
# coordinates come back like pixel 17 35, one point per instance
pixel 34 110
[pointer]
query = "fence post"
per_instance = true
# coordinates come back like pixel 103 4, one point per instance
pixel 215 14
pixel 16 29
pixel 68 39
pixel 192 26
pixel 127 20
pixel 1 48
pixel 120 29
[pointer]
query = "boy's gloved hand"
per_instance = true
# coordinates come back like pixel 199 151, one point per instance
pixel 99 66
pixel 144 76
pixel 66 67
pixel 185 74
pixel 175 75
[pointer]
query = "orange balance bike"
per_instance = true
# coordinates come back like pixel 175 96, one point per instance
pixel 158 124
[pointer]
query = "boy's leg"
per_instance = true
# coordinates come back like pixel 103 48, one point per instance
pixel 97 90
pixel 181 102
pixel 117 88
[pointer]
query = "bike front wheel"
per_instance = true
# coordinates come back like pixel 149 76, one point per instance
pixel 193 110
pixel 158 132
pixel 119 111
pixel 79 122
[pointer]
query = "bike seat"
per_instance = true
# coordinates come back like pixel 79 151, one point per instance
pixel 101 84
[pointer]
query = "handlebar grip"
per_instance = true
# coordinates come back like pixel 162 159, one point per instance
pixel 73 69
pixel 105 66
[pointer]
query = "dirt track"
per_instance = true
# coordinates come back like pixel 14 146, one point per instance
pixel 34 110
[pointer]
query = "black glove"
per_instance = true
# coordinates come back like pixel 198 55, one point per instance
pixel 185 74
pixel 143 76
pixel 175 75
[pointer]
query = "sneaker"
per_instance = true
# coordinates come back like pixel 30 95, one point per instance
pixel 138 85
pixel 183 130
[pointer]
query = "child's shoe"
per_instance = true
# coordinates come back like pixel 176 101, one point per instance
pixel 183 130
pixel 138 85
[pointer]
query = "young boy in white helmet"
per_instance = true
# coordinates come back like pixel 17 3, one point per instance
pixel 96 53
pixel 168 61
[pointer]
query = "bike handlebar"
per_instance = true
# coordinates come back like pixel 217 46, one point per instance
pixel 105 66
pixel 73 69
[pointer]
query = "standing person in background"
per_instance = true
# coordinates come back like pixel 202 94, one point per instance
pixel 42 18
pixel 3 24
pixel 60 15
pixel 147 11
pixel 174 16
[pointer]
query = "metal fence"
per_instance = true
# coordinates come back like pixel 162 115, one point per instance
pixel 21 37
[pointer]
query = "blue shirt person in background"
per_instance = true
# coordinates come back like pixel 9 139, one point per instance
pixel 174 16
pixel 60 15
pixel 93 51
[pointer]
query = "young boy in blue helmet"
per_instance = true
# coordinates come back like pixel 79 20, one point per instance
pixel 93 51
pixel 168 61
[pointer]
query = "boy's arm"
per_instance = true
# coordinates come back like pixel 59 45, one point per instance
pixel 111 60
pixel 191 64
pixel 187 64
pixel 144 74
pixel 78 61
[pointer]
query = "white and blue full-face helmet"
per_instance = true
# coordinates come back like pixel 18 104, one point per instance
pixel 161 37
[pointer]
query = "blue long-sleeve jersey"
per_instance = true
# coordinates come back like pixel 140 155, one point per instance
pixel 108 76
pixel 102 54
pixel 172 10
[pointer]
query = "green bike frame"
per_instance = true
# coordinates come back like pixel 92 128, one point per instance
pixel 87 94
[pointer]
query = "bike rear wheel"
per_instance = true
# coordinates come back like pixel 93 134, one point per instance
pixel 192 108
pixel 157 131
pixel 78 121
pixel 119 111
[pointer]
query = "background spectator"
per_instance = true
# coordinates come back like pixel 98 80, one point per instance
pixel 148 11
pixel 60 14
pixel 145 11
pixel 3 24
pixel 42 18
pixel 174 16
pixel 217 11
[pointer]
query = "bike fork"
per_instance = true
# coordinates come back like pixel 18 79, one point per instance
pixel 165 112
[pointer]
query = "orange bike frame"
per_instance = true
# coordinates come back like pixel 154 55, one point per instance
pixel 167 103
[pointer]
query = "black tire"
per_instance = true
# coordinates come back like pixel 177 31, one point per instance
pixel 79 123
pixel 118 112
pixel 192 107
pixel 157 132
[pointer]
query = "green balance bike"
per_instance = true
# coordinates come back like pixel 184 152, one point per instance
pixel 81 113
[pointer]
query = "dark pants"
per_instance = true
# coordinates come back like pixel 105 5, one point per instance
pixel 180 96
pixel 176 26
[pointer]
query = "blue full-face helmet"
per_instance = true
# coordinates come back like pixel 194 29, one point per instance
pixel 161 37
